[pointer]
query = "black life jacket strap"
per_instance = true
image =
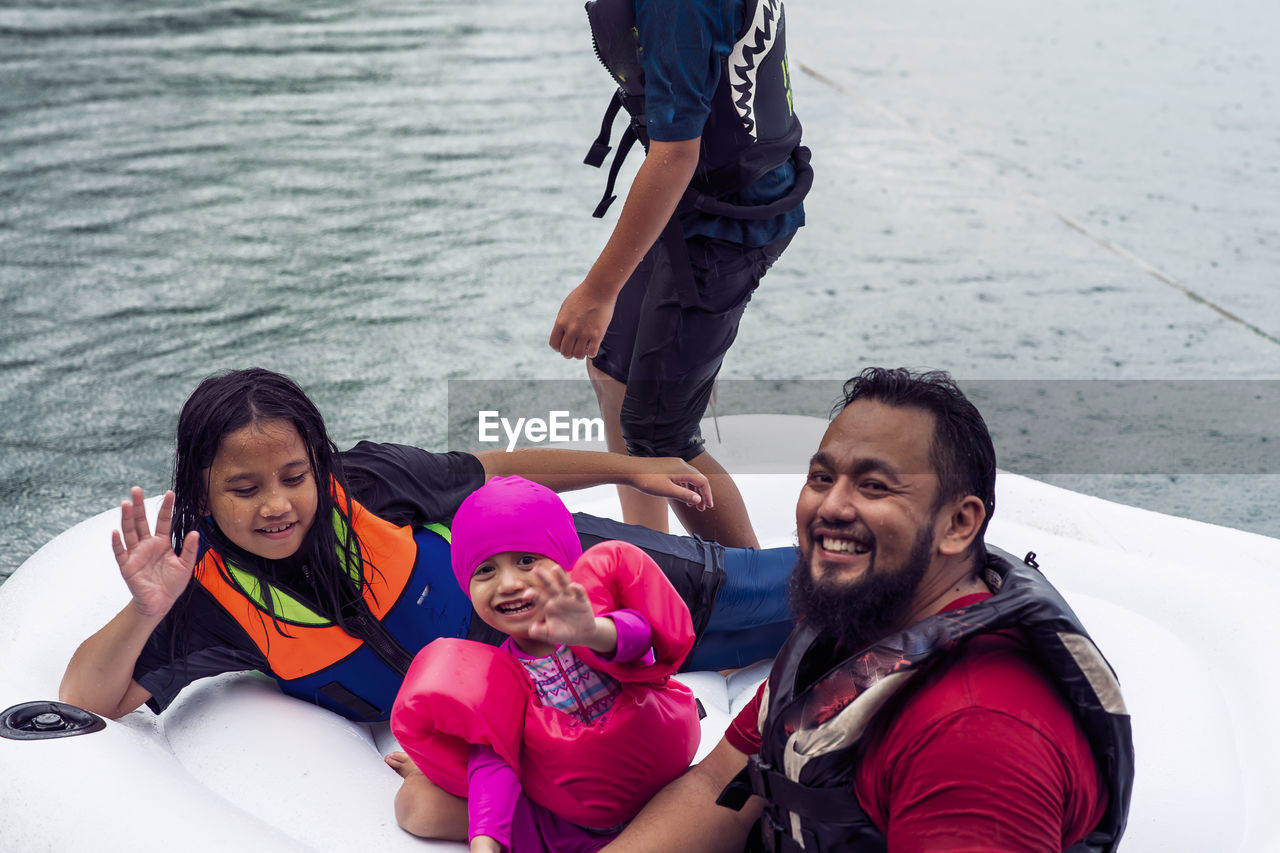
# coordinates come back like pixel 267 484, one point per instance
pixel 624 146
pixel 357 706
pixel 762 780
pixel 777 839
pixel 792 807
pixel 782 793
pixel 803 183
pixel 681 266
pixel 600 148
pixel 737 792
pixel 767 836
pixel 1094 842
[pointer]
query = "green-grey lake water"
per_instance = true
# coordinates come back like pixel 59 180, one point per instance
pixel 377 197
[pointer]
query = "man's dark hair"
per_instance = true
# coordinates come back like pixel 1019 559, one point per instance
pixel 961 451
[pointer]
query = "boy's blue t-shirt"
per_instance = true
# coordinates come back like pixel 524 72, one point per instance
pixel 683 44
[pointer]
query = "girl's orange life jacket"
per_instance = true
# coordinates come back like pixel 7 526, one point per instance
pixel 410 598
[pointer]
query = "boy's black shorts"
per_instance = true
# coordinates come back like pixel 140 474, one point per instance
pixel 668 352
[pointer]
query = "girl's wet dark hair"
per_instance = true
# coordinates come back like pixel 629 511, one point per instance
pixel 226 402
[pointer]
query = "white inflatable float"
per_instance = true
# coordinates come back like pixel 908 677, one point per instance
pixel 1182 609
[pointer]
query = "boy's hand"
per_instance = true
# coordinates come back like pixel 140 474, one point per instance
pixel 580 326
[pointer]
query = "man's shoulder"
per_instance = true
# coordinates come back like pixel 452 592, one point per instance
pixel 989 692
pixel 996 672
pixel 989 724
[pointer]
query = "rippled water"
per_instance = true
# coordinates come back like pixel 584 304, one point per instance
pixel 375 197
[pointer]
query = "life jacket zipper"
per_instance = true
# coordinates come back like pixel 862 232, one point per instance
pixel 582 708
pixel 364 626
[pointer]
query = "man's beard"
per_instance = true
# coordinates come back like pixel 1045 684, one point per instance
pixel 859 612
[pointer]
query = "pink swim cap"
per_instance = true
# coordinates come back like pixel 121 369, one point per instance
pixel 511 514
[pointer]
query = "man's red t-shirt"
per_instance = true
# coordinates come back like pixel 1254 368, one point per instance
pixel 985 754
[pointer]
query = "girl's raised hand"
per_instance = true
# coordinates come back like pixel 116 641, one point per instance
pixel 566 611
pixel 154 574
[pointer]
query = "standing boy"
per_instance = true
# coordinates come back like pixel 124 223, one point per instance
pixel 707 86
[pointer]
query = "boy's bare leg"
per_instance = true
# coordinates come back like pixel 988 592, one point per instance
pixel 637 507
pixel 423 808
pixel 727 523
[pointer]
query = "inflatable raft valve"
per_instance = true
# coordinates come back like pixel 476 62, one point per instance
pixel 40 720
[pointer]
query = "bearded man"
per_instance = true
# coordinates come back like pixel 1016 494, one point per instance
pixel 936 694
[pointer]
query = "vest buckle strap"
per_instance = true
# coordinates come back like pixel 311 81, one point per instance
pixel 777 839
pixel 600 148
pixel 738 791
pixel 634 105
pixel 356 706
pixel 603 206
pixel 807 801
pixel 624 145
pixel 759 771
pixel 597 153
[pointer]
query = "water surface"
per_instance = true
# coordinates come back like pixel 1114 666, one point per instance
pixel 377 197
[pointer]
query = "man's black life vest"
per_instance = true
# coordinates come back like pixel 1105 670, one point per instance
pixel 752 128
pixel 810 738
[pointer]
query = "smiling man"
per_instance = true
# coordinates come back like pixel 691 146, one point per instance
pixel 936 694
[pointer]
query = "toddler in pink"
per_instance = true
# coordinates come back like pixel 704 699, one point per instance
pixel 558 737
